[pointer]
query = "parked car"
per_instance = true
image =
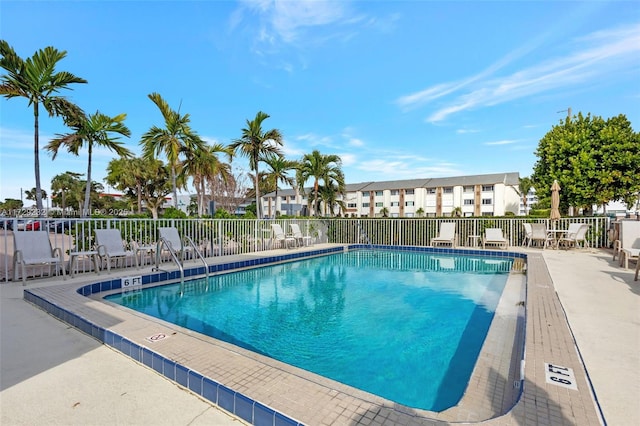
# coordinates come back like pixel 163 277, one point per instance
pixel 62 225
pixel 32 225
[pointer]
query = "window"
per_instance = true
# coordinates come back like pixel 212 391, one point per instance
pixel 352 205
pixel 409 191
pixel 487 188
pixel 395 192
pixel 468 189
pixel 365 204
pixel 447 190
pixel 408 203
pixel 379 194
pixel 395 204
pixel 379 204
pixel 468 202
pixel 487 201
pixel 431 190
pixel 365 193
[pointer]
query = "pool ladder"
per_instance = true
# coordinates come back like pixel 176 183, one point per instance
pixel 163 242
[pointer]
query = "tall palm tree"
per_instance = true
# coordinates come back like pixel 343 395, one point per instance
pixel 524 185
pixel 96 130
pixel 35 79
pixel 257 144
pixel 203 165
pixel 319 167
pixel 279 167
pixel 171 140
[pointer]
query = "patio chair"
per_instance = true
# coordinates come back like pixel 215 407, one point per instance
pixel 447 235
pixel 494 237
pixel 34 248
pixel 632 251
pixel 112 248
pixel 539 233
pixel 628 233
pixel 297 234
pixel 182 250
pixel 575 235
pixel 280 236
pixel 526 241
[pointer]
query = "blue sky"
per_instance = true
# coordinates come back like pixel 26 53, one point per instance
pixel 397 89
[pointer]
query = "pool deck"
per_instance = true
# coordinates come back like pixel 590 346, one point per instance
pixel 53 374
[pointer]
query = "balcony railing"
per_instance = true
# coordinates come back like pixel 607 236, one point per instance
pixel 215 237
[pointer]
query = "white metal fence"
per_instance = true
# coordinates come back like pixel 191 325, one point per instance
pixel 233 236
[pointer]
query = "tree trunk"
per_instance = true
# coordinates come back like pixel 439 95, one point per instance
pixel 36 156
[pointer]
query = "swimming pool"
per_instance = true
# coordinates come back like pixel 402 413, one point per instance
pixel 405 326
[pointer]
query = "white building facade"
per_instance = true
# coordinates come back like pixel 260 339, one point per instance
pixel 476 195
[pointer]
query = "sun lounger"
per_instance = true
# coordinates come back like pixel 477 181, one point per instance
pixel 111 247
pixel 34 248
pixel 447 235
pixel 297 234
pixel 280 236
pixel 494 237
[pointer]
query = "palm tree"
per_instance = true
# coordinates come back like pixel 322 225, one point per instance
pixel 326 168
pixel 203 165
pixel 96 130
pixel 257 144
pixel 172 140
pixel 329 196
pixel 35 79
pixel 278 169
pixel 524 185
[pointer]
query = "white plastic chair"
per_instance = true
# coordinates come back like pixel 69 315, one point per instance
pixel 297 234
pixel 279 235
pixel 34 248
pixel 111 247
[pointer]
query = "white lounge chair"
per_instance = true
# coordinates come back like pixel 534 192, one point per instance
pixel 494 237
pixel 34 248
pixel 183 250
pixel 447 235
pixel 279 235
pixel 576 235
pixel 111 247
pixel 297 234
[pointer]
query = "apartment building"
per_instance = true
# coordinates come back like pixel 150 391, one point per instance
pixel 476 195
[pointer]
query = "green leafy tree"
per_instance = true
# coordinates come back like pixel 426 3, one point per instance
pixel 594 160
pixel 31 194
pixel 9 206
pixel 62 185
pixel 96 130
pixel 174 139
pixel 36 80
pixel 146 179
pixel 257 144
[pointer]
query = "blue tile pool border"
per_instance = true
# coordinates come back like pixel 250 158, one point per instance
pixel 232 401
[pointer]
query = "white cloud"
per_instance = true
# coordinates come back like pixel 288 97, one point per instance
pixel 603 54
pixel 503 142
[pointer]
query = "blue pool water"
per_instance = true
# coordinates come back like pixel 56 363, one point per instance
pixel 405 326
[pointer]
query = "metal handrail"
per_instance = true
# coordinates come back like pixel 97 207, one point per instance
pixel 195 249
pixel 164 242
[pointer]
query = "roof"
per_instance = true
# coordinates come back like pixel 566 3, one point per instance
pixel 510 178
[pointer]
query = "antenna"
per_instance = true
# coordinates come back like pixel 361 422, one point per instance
pixel 568 111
